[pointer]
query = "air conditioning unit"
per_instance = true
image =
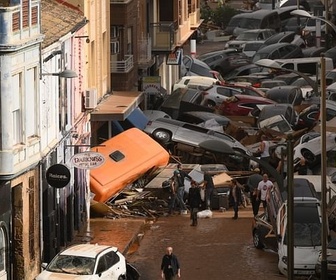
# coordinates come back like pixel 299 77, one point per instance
pixel 90 98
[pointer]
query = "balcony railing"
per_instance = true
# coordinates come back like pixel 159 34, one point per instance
pixel 122 66
pixel 163 36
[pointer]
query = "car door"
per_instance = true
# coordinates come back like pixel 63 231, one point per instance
pixel 222 93
pixel 190 134
pixel 274 54
pixel 109 266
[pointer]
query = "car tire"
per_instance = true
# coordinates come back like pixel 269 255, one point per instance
pixel 211 104
pixel 161 135
pixel 257 239
pixel 309 156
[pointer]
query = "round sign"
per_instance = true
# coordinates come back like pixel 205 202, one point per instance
pixel 58 176
pixel 87 160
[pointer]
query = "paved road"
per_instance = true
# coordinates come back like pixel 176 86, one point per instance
pixel 218 248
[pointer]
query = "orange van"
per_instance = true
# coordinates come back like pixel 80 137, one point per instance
pixel 128 156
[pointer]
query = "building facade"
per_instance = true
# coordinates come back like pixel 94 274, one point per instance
pixel 20 38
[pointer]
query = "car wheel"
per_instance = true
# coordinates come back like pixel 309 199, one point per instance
pixel 162 136
pixel 257 239
pixel 211 104
pixel 309 156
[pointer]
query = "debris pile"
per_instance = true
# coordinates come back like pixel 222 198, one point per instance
pixel 149 204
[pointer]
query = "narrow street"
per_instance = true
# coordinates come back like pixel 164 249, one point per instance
pixel 218 248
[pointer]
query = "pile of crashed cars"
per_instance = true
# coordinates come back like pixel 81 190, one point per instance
pixel 217 116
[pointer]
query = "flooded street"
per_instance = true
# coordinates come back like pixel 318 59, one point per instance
pixel 218 248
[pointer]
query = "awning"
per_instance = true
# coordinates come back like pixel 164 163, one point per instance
pixel 118 106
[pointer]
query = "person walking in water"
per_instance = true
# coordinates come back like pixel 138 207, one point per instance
pixel 235 198
pixel 170 266
pixel 178 177
pixel 194 201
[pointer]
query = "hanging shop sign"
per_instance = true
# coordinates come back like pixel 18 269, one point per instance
pixel 58 176
pixel 87 160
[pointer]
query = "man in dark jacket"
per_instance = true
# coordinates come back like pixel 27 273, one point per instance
pixel 178 178
pixel 170 266
pixel 252 183
pixel 194 200
pixel 209 189
pixel 235 197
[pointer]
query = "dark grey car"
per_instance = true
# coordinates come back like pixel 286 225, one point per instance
pixel 169 130
pixel 285 95
pixel 224 61
pixel 277 51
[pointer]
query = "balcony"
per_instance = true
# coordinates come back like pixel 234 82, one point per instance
pixel 145 53
pixel 122 66
pixel 163 36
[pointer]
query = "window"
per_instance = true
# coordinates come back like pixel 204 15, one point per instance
pixel 30 106
pixel 17 108
pixel 129 40
pixel 111 258
pixel 102 266
pixel 114 31
pixel 224 91
pixel 114 47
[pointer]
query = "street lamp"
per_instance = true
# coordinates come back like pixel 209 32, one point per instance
pixel 303 13
pixel 67 73
pixel 324 234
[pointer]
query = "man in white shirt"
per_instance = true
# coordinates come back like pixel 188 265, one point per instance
pixel 264 187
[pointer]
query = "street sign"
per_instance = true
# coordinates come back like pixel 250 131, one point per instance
pixel 87 160
pixel 58 176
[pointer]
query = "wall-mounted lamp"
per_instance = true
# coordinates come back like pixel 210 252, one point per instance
pixel 87 38
pixel 67 73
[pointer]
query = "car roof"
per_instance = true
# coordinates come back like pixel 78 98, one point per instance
pixel 208 115
pixel 261 13
pixel 252 97
pixel 280 36
pixel 282 88
pixel 219 52
pixel 257 30
pixel 303 188
pixel 86 250
pixel 272 47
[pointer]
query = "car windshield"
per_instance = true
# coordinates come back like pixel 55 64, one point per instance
pixel 72 265
pixel 234 22
pixel 252 46
pixel 259 56
pixel 247 36
pixel 307 225
pixel 249 23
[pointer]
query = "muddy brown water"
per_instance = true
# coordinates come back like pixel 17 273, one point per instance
pixel 218 248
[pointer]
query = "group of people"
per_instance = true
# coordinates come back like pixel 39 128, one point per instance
pixel 194 195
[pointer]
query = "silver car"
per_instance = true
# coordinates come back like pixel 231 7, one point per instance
pixel 170 130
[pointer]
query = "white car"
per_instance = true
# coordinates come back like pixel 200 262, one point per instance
pixel 86 261
pixel 309 146
pixel 195 82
